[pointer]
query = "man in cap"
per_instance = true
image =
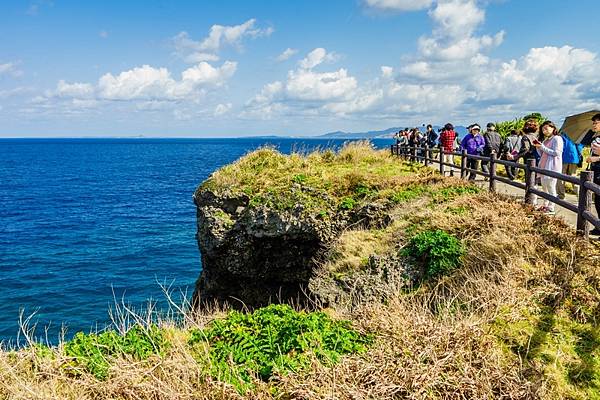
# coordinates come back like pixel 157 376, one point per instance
pixel 474 143
pixel 492 144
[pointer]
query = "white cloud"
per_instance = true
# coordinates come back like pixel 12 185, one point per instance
pixel 219 36
pixel 103 34
pixel 18 91
pixel 147 82
pixel 222 109
pixel 399 5
pixel 359 103
pixel 10 69
pixel 545 78
pixel 309 85
pixel 386 71
pixel 451 77
pixel 287 54
pixel 307 91
pixel 316 57
pixel 456 18
pixel 150 87
pixel 75 90
pixel 453 38
pixel 143 82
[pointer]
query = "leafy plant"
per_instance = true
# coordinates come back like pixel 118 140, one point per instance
pixel 439 251
pixel 92 352
pixel 299 178
pixel 347 203
pixel 363 191
pixel 274 339
pixel 505 127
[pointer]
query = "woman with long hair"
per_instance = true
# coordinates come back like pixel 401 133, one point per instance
pixel 549 146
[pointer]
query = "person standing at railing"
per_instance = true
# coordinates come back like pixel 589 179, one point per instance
pixel 431 138
pixel 549 146
pixel 593 140
pixel 492 144
pixel 447 139
pixel 511 149
pixel 530 134
pixel 572 158
pixel 474 143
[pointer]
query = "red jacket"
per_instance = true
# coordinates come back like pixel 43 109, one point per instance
pixel 447 140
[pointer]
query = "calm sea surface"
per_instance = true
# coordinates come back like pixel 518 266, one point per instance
pixel 85 221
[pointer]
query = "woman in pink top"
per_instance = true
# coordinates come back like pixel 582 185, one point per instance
pixel 549 147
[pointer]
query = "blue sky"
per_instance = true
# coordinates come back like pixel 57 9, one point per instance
pixel 236 68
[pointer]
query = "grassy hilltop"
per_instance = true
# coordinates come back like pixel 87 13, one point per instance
pixel 506 303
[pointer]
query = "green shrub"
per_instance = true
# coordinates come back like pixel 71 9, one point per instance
pixel 274 339
pixel 299 178
pixel 505 127
pixel 439 252
pixel 92 352
pixel 347 203
pixel 362 191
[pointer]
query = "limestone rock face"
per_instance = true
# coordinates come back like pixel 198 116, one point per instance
pixel 252 255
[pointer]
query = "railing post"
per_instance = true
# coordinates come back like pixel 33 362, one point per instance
pixel 442 161
pixel 463 164
pixel 529 182
pixel 585 203
pixel 392 148
pixel 414 153
pixel 426 155
pixel 493 172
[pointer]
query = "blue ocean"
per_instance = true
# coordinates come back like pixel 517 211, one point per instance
pixel 85 222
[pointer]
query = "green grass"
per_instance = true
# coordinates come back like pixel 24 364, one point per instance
pixel 322 181
pixel 565 351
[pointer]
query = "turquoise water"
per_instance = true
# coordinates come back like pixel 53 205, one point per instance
pixel 85 221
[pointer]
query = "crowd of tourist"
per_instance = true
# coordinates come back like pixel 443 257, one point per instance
pixel 550 149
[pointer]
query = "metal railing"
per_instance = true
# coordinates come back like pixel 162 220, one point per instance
pixel 585 181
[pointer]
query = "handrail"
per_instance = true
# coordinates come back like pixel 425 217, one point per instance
pixel 585 179
pixel 557 175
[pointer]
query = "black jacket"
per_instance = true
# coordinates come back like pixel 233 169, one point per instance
pixel 587 141
pixel 493 141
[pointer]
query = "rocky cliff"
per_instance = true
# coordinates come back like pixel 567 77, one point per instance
pixel 254 254
pixel 270 226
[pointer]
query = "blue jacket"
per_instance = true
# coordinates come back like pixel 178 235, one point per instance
pixel 571 152
pixel 473 144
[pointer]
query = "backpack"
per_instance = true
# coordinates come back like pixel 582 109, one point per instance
pixel 511 144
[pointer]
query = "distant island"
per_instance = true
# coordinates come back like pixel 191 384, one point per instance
pixel 382 134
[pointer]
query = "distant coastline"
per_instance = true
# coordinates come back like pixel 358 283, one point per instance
pixel 376 134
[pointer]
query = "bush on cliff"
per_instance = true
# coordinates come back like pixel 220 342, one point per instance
pixel 439 252
pixel 93 352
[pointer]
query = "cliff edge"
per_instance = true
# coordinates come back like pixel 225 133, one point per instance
pixel 269 225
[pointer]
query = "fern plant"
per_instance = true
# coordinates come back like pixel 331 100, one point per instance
pixel 92 352
pixel 274 340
